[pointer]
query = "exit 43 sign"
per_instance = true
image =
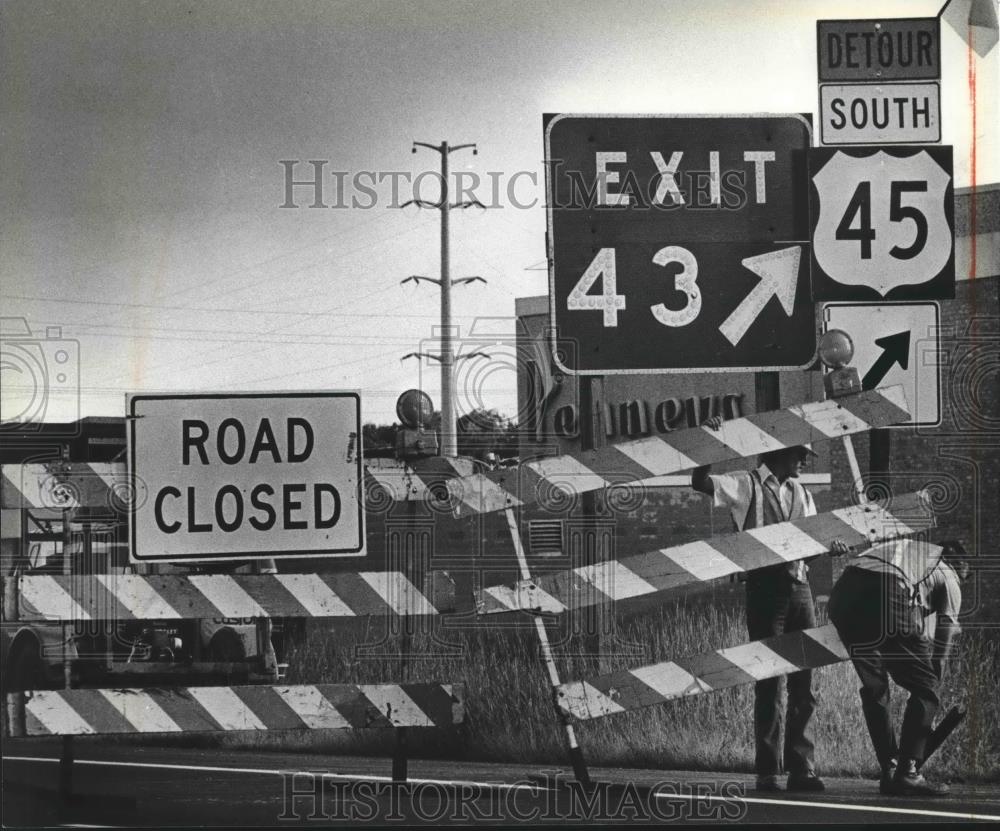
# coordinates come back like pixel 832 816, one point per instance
pixel 679 243
pixel 883 223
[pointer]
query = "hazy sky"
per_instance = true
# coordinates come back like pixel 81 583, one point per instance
pixel 140 145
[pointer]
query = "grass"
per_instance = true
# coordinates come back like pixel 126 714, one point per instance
pixel 509 714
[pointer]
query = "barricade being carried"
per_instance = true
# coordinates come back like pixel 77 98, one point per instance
pixel 662 570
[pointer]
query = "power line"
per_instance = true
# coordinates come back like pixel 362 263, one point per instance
pixel 276 329
pixel 213 310
pixel 338 365
pixel 291 340
pixel 257 351
pixel 261 263
pixel 389 239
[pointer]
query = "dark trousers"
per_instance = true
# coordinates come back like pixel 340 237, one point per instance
pixel 882 631
pixel 777 604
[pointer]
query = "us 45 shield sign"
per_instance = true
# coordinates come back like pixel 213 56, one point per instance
pixel 883 223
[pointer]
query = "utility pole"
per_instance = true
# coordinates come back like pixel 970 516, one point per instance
pixel 449 438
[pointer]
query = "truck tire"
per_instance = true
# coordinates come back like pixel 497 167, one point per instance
pixel 26 669
pixel 226 647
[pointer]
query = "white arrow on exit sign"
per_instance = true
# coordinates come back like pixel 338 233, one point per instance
pixel 779 272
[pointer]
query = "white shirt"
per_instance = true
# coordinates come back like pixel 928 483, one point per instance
pixel 735 491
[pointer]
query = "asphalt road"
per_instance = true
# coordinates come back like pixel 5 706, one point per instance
pixel 121 785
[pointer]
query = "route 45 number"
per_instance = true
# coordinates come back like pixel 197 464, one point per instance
pixel 859 211
pixel 882 222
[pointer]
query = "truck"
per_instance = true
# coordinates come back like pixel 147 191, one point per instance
pixel 61 515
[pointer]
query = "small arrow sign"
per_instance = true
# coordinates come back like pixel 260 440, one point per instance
pixel 779 273
pixel 895 350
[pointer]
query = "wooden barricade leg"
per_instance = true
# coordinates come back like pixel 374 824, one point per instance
pixel 852 462
pixel 399 756
pixel 66 770
pixel 408 565
pixel 16 717
pixel 575 752
pixel 879 459
pixel 400 748
pixel 66 755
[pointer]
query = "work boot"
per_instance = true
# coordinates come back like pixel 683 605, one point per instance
pixel 888 772
pixel 768 784
pixel 908 781
pixel 805 781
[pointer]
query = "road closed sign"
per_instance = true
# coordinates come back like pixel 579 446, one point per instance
pixel 883 223
pixel 244 476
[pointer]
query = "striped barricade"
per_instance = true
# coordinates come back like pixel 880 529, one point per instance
pixel 89 491
pixel 670 568
pixel 58 485
pixel 142 597
pixel 418 480
pixel 109 487
pixel 222 709
pixel 557 480
pixel 633 689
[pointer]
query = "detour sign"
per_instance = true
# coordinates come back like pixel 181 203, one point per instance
pixel 237 476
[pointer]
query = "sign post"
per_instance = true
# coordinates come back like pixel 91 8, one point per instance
pixel 237 476
pixel 679 243
pixel 883 219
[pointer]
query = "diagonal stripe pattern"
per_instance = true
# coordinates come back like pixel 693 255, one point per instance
pixel 555 481
pixel 419 480
pixel 670 568
pixel 173 597
pixel 104 486
pixel 223 709
pixel 645 686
